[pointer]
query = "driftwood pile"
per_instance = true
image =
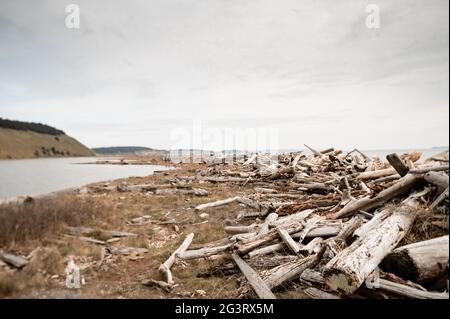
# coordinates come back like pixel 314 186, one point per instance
pixel 330 225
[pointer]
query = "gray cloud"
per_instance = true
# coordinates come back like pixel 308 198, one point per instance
pixel 136 71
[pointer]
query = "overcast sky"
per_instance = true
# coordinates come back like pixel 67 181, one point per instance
pixel 138 71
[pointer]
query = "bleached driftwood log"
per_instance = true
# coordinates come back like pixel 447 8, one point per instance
pixel 287 272
pixel 315 293
pixel 259 286
pixel 217 203
pixel 266 250
pixel 260 240
pixel 408 291
pixel 348 270
pixel 264 229
pixel 165 267
pixel 438 179
pixel 13 260
pixel 203 252
pixel 287 239
pixel 419 262
pixel 241 229
pixel 403 185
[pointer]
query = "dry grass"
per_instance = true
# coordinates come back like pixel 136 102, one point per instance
pixel 34 220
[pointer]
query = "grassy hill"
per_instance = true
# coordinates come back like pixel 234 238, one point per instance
pixel 31 140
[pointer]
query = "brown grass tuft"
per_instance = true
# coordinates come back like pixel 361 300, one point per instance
pixel 33 220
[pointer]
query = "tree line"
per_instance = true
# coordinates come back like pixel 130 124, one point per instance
pixel 29 126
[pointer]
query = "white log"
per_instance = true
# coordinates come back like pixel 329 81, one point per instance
pixel 421 261
pixel 264 229
pixel 348 270
pixel 165 267
pixel 315 293
pixel 203 252
pixel 287 239
pixel 403 185
pixel 259 286
pixel 408 291
pixel 217 203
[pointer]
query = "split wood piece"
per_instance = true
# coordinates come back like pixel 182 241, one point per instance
pixel 315 152
pixel 296 159
pixel 195 191
pixel 426 169
pixel 290 271
pixel 419 262
pixel 158 283
pixel 225 179
pixel 377 174
pixel 165 267
pixel 294 218
pixel 203 252
pixel 282 171
pixel 439 199
pixel 348 270
pixel 438 179
pixel 287 239
pixel 260 240
pixel 135 251
pixel 312 223
pixel 88 240
pixel 315 293
pixel 13 260
pixel 261 289
pixel 266 250
pixel 397 164
pixel 408 291
pixel 251 160
pixel 402 186
pixel 89 231
pixel 264 229
pixel 313 247
pixel 321 231
pixel 249 202
pixel 241 229
pixel 311 276
pixel 217 203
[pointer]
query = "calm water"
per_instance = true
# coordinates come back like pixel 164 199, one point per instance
pixel 40 176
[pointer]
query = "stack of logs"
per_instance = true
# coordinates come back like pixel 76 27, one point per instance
pixel 331 225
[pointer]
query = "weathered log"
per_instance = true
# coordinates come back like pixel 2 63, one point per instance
pixel 266 250
pixel 264 229
pixel 165 267
pixel 439 199
pixel 315 293
pixel 88 231
pixel 260 240
pixel 217 203
pixel 438 179
pixel 203 252
pixel 13 260
pixel 397 164
pixel 287 272
pixel 261 289
pixel 287 239
pixel 426 169
pixel 377 174
pixel 241 229
pixel 313 247
pixel 348 270
pixel 312 277
pixel 408 291
pixel 403 185
pixel 419 262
